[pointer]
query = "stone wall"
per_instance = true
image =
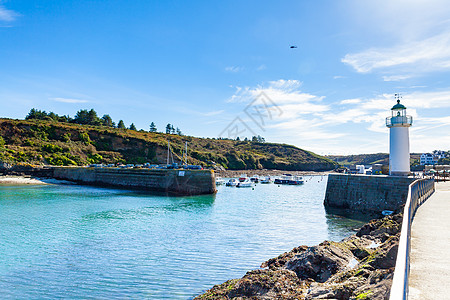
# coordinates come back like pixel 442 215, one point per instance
pixel 368 194
pixel 184 182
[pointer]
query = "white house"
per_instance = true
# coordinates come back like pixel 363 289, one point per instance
pixel 432 158
pixel 428 159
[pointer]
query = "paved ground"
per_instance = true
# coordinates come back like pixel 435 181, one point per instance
pixel 430 247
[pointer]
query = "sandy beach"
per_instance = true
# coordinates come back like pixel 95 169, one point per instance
pixel 22 180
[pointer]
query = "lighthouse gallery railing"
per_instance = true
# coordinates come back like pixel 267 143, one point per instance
pixel 398 120
pixel 418 192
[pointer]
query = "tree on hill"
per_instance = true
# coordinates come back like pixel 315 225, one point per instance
pixel 179 131
pixel 66 119
pixel 169 128
pixel 86 117
pixel 121 125
pixel 107 121
pixel 153 127
pixel 258 139
pixel 53 116
pixel 37 114
pixel 132 127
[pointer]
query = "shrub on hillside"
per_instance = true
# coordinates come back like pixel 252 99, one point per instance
pixel 50 148
pixel 57 159
pixel 95 158
pixel 84 137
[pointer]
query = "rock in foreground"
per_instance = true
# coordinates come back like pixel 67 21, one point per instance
pixel 359 267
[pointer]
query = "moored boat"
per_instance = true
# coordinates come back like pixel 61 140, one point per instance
pixel 266 180
pixel 284 179
pixel 220 181
pixel 246 183
pixel 254 178
pixel 243 177
pixel 232 182
pixel 289 179
pixel 296 180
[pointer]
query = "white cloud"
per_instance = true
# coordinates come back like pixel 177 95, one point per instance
pixel 427 99
pixel 299 116
pixel 440 121
pixel 69 100
pixel 350 101
pixel 430 54
pixel 7 15
pixel 279 91
pixel 338 77
pixel 261 67
pixel 358 123
pixel 396 77
pixel 373 112
pixel 234 69
pixel 213 113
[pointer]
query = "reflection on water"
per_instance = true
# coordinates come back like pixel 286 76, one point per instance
pixel 177 204
pixel 341 221
pixel 339 225
pixel 87 242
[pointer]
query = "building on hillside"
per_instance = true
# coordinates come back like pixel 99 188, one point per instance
pixel 440 154
pixel 432 158
pixel 428 159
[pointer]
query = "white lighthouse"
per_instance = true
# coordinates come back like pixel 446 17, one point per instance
pixel 399 124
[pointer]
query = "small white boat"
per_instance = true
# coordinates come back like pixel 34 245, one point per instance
pixel 220 181
pixel 255 178
pixel 289 179
pixel 232 182
pixel 283 179
pixel 266 180
pixel 296 180
pixel 246 183
pixel 243 177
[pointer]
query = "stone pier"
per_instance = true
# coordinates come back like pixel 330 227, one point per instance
pixel 367 194
pixel 179 182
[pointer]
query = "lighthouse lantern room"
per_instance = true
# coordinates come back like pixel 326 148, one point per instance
pixel 398 124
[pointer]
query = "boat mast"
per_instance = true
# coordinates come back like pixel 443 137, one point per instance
pixel 168 151
pixel 185 153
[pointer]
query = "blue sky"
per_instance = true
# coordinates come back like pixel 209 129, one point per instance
pixel 221 68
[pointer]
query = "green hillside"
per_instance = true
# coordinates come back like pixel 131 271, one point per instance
pixel 62 143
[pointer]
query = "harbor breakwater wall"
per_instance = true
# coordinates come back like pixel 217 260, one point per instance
pixel 172 181
pixel 368 194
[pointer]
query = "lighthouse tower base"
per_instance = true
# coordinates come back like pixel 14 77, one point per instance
pixel 399 173
pixel 399 151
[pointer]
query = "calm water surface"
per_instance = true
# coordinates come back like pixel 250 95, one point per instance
pixel 84 242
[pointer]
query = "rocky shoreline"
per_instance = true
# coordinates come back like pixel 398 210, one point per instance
pixel 358 267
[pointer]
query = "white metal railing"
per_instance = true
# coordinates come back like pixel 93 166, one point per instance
pixel 398 120
pixel 418 192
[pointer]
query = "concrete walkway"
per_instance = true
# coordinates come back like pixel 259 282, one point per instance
pixel 430 247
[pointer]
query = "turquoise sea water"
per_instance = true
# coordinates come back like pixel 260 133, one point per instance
pixel 79 242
